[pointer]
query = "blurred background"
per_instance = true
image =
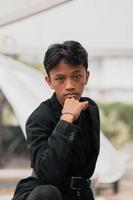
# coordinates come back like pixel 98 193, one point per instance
pixel 105 29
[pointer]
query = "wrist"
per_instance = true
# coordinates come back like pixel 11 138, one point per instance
pixel 67 116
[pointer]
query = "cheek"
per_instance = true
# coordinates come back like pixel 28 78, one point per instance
pixel 58 88
pixel 82 83
pixel 81 86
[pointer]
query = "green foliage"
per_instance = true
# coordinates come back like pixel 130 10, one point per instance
pixel 116 122
pixel 8 117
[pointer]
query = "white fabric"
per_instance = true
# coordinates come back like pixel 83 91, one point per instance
pixel 111 163
pixel 25 88
pixel 17 10
pixel 99 25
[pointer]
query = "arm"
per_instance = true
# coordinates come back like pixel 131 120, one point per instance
pixel 93 112
pixel 49 148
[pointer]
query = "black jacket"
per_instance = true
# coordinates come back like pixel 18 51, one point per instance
pixel 60 149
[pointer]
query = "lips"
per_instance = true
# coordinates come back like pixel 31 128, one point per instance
pixel 71 95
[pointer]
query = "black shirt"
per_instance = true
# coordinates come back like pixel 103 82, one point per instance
pixel 58 148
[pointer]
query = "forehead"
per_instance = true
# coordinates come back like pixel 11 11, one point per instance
pixel 67 68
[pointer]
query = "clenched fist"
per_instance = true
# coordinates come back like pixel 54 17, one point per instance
pixel 72 109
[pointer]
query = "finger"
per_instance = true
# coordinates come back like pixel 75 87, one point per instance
pixel 70 98
pixel 85 105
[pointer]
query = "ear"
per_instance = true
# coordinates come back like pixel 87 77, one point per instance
pixel 48 80
pixel 87 76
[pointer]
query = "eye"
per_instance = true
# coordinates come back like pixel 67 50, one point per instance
pixel 76 77
pixel 59 79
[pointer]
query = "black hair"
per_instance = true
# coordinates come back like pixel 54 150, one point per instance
pixel 71 51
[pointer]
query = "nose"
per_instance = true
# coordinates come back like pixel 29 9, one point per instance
pixel 69 85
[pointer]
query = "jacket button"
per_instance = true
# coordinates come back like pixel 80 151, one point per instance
pixel 71 138
pixel 73 134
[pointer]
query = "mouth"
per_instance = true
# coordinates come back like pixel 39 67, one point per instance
pixel 71 95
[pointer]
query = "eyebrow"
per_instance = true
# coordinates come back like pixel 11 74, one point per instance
pixel 59 75
pixel 76 71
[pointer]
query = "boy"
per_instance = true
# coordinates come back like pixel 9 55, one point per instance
pixel 63 132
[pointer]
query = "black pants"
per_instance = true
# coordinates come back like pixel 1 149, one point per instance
pixel 45 192
pixel 30 189
pixel 50 192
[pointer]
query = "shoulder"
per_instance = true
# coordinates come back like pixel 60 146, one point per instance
pixel 92 104
pixel 93 111
pixel 40 121
pixel 42 113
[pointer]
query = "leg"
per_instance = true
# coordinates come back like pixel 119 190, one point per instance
pixel 45 192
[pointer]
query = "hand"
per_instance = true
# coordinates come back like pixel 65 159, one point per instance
pixel 72 109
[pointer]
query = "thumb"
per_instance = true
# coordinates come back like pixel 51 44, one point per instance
pixel 85 105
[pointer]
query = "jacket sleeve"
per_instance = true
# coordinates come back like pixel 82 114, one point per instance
pixel 95 139
pixel 94 111
pixel 49 149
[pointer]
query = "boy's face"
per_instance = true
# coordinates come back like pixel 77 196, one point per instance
pixel 67 80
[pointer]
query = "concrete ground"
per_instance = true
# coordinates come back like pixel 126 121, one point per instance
pixel 106 192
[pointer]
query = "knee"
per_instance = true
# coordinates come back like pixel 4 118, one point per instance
pixel 51 192
pixel 46 192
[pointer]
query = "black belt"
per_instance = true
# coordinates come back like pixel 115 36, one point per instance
pixel 73 182
pixel 76 183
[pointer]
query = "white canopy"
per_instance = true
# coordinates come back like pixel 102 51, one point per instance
pixel 96 24
pixel 14 10
pixel 24 88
